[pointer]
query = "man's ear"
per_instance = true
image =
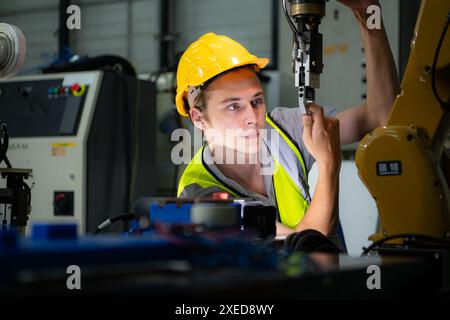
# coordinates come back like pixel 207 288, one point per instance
pixel 197 118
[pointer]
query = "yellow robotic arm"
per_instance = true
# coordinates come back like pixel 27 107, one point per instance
pixel 404 165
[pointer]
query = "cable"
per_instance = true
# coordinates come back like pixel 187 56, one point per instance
pixel 288 17
pixel 404 235
pixel 444 105
pixel 107 222
pixel 4 142
pixel 154 78
pixel 28 191
pixel 135 138
pixel 175 178
pixel 127 139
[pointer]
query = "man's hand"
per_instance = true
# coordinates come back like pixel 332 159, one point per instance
pixel 321 138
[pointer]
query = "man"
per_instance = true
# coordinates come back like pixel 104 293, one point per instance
pixel 217 87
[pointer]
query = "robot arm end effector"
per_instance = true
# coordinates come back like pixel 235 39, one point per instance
pixel 304 17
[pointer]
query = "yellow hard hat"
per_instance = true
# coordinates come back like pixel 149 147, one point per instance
pixel 208 57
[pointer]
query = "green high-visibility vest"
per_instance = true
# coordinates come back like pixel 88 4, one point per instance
pixel 289 177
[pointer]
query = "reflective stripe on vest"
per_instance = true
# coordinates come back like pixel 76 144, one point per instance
pixel 289 176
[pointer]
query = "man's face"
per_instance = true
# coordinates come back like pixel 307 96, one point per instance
pixel 235 111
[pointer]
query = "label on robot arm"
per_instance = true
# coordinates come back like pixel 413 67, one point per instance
pixel 389 168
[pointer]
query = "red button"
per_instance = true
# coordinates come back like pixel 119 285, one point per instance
pixel 75 87
pixel 59 197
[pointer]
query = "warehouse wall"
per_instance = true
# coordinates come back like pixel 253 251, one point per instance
pixel 249 22
pixel 128 28
pixel 125 28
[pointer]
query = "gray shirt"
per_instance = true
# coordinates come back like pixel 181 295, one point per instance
pixel 290 119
